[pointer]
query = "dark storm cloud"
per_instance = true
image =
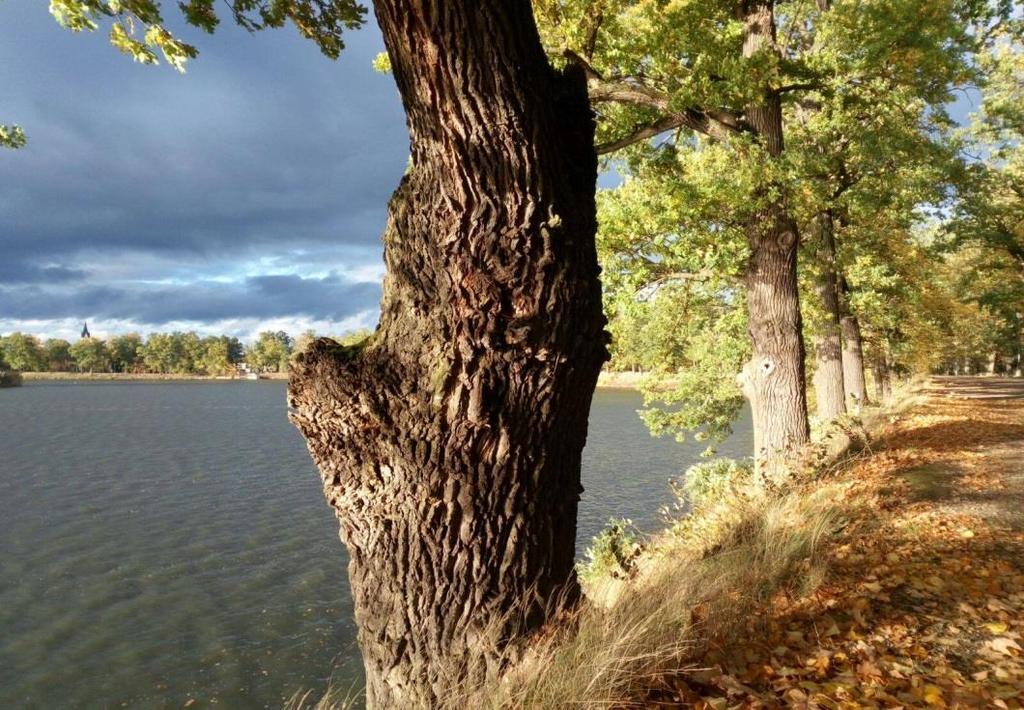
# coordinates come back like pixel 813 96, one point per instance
pixel 20 272
pixel 265 152
pixel 330 298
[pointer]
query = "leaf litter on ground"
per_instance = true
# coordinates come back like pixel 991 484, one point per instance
pixel 923 604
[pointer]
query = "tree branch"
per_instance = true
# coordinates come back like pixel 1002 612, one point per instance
pixel 625 91
pixel 591 42
pixel 588 69
pixel 641 133
pixel 797 87
pixel 714 123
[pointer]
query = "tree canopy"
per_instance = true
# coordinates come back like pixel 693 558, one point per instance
pixel 865 90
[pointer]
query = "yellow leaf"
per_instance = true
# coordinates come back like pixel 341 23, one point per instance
pixel 932 694
pixel 997 627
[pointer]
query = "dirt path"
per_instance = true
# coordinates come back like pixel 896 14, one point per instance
pixel 923 603
pixel 1002 445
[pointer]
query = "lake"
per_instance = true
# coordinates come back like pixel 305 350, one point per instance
pixel 169 541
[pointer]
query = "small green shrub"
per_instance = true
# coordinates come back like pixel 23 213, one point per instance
pixel 612 554
pixel 709 500
pixel 711 482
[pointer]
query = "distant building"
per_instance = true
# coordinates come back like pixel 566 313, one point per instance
pixel 85 331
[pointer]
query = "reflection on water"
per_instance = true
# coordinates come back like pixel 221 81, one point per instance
pixel 170 541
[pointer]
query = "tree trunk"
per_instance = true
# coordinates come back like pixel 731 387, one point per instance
pixel 828 369
pixel 774 379
pixel 1017 349
pixel 853 351
pixel 883 379
pixel 449 444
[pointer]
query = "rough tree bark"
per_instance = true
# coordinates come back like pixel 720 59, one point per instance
pixel 450 443
pixel 828 369
pixel 774 380
pixel 853 351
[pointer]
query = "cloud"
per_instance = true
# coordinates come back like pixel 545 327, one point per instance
pixel 253 187
pixel 20 272
pixel 330 298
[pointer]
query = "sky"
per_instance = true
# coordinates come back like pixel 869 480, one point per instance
pixel 247 194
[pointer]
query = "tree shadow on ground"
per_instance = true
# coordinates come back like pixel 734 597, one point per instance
pixel 931 482
pixel 976 387
pixel 954 436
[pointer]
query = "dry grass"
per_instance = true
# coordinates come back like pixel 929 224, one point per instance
pixel 689 590
pixel 698 584
pixel 660 621
pixel 332 700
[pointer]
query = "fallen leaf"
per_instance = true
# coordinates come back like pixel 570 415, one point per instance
pixel 1003 645
pixel 932 694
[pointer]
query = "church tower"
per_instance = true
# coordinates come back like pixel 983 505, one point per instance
pixel 85 331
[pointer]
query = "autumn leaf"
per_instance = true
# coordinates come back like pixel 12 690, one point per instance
pixel 1003 645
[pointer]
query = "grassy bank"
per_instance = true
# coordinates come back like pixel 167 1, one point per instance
pixel 665 616
pixel 664 612
pixel 694 589
pixel 621 380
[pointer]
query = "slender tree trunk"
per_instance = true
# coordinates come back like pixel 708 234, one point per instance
pixel 881 374
pixel 828 369
pixel 450 443
pixel 774 380
pixel 853 351
pixel 1016 372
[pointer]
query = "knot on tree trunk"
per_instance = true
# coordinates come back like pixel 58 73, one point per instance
pixel 340 417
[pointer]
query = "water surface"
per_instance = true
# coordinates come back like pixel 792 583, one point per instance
pixel 163 542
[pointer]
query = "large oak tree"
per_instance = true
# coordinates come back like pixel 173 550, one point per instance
pixel 450 442
pixel 711 73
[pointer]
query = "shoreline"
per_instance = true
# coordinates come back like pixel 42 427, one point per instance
pixel 620 380
pixel 606 380
pixel 140 377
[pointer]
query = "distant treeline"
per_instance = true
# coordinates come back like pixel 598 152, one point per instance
pixel 163 353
